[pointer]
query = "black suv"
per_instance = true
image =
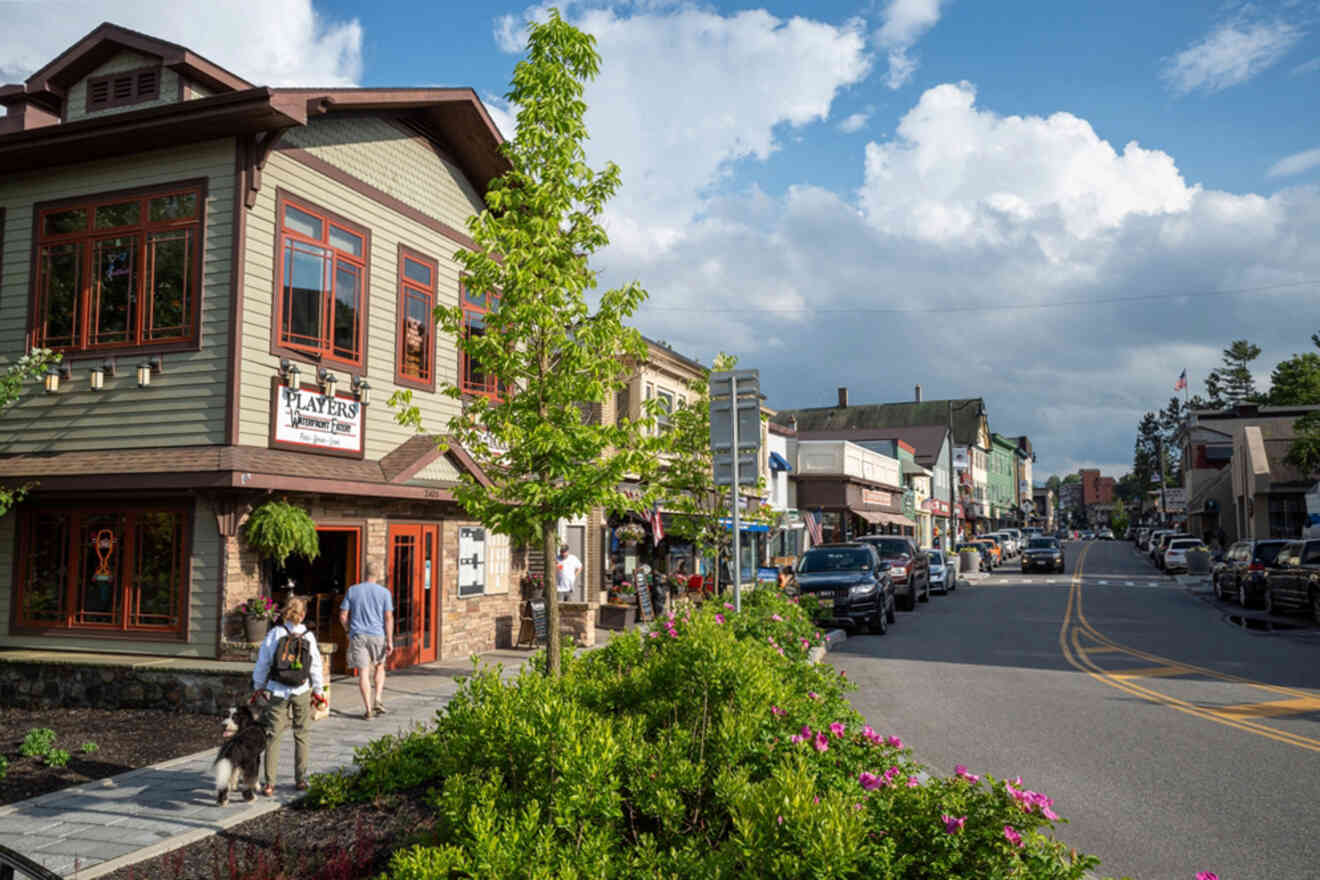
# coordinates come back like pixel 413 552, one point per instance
pixel 851 585
pixel 909 568
pixel 1043 553
pixel 1241 573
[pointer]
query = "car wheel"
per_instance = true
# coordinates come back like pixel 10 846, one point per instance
pixel 1244 598
pixel 890 616
pixel 953 584
pixel 879 624
pixel 925 594
pixel 1219 589
pixel 1315 605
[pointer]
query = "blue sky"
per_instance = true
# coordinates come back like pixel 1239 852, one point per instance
pixel 797 178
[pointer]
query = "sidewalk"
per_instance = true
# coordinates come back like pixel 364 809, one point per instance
pixel 96 828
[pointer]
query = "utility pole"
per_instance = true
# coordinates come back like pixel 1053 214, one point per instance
pixel 952 529
pixel 1164 506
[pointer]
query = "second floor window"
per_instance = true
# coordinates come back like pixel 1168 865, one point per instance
pixel 473 377
pixel 323 268
pixel 118 272
pixel 416 333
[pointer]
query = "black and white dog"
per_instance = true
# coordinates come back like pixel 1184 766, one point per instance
pixel 240 754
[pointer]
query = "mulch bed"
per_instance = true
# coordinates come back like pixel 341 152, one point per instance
pixel 341 843
pixel 126 739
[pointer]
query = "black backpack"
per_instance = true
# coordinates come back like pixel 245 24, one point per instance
pixel 293 656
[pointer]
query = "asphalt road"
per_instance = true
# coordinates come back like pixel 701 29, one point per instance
pixel 1173 740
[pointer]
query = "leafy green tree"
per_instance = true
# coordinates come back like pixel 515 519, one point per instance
pixel 1231 383
pixel 1053 483
pixel 544 346
pixel 1296 381
pixel 1145 453
pixel 1118 518
pixel 1304 453
pixel 1172 420
pixel 12 381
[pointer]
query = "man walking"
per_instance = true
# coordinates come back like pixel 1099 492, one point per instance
pixel 367 612
pixel 566 572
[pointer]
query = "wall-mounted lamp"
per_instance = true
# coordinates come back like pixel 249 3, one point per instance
pixel 291 373
pixel 54 374
pixel 329 382
pixel 151 365
pixel 362 390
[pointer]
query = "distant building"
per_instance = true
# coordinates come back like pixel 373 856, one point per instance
pixel 1095 488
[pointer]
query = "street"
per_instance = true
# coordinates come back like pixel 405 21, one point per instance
pixel 1172 739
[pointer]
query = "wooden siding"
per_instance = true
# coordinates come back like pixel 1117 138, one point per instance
pixel 388 230
pixel 75 101
pixel 392 159
pixel 202 626
pixel 441 470
pixel 185 405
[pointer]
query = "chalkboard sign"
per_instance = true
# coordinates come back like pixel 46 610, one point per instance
pixel 642 582
pixel 537 607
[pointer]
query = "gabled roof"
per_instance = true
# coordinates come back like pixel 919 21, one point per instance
pixel 967 415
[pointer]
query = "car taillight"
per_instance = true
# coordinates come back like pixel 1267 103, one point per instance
pixel 1256 566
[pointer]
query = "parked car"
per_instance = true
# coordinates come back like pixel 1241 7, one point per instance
pixel 1033 532
pixel 1016 539
pixel 1293 581
pixel 851 585
pixel 1157 550
pixel 1088 535
pixel 908 567
pixel 943 571
pixel 1106 535
pixel 1140 535
pixel 1175 553
pixel 1240 575
pixel 1005 542
pixel 1045 554
pixel 1152 543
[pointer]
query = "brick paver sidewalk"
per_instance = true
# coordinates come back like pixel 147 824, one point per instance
pixel 98 827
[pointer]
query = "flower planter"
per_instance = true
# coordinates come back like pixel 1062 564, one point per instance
pixel 617 617
pixel 255 628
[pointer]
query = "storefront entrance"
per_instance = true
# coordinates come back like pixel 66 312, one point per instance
pixel 413 572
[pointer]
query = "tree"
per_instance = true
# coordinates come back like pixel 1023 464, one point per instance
pixel 1296 381
pixel 1304 453
pixel 1231 383
pixel 1172 420
pixel 1145 452
pixel 30 366
pixel 1118 518
pixel 542 344
pixel 1053 483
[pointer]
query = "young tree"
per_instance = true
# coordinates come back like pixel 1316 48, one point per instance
pixel 1231 383
pixel 1296 381
pixel 1118 518
pixel 543 344
pixel 30 366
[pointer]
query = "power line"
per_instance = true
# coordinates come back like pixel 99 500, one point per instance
pixel 1057 304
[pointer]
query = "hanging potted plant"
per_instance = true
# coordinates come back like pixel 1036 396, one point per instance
pixel 629 534
pixel 257 615
pixel 276 530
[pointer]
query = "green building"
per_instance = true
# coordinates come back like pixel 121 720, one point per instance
pixel 1001 481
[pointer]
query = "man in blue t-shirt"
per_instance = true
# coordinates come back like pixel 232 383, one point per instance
pixel 367 612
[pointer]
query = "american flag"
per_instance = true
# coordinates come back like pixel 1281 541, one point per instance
pixel 657 526
pixel 1181 383
pixel 812 521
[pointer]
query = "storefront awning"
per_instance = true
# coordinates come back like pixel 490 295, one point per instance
pixel 879 518
pixel 779 463
pixel 746 526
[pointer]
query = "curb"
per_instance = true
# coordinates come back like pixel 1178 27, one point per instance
pixel 832 637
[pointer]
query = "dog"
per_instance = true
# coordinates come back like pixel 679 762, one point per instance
pixel 240 753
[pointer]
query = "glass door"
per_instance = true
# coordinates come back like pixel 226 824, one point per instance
pixel 413 564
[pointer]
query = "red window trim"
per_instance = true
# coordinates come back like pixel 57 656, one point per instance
pixel 135 96
pixel 323 355
pixel 488 388
pixel 192 341
pixel 121 629
pixel 407 285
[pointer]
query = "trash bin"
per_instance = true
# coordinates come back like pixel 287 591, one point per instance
pixel 969 561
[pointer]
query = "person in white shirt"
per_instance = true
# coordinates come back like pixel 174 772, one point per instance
pixel 284 702
pixel 567 568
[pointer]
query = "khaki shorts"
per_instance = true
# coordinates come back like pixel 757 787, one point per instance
pixel 366 651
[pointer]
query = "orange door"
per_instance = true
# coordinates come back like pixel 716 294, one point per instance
pixel 413 576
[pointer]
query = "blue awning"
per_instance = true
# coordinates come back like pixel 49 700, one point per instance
pixel 727 522
pixel 779 463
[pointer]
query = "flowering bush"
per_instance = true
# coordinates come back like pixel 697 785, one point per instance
pixel 259 608
pixel 708 747
pixel 630 532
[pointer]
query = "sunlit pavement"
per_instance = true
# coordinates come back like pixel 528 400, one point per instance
pixel 1176 732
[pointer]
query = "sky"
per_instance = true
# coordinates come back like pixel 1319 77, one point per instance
pixel 1054 206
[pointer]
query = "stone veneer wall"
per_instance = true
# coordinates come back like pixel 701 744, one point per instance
pixel 45 685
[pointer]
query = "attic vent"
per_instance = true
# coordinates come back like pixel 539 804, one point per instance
pixel 122 89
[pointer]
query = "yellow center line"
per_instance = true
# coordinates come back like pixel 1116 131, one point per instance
pixel 1070 643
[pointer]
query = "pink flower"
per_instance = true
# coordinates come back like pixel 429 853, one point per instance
pixel 775 710
pixel 961 772
pixel 813 695
pixel 1012 836
pixel 870 781
pixel 1206 875
pixel 869 732
pixel 776 618
pixel 1049 814
pixel 653 634
pixel 719 618
pixel 806 732
pixel 952 825
pixel 816 799
pixel 795 739
pixel 779 819
pixel 822 742
pixel 728 606
pixel 672 634
pixel 894 741
pixel 1017 780
pixel 913 782
pixel 836 728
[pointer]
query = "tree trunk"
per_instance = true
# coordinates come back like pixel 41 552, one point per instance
pixel 550 545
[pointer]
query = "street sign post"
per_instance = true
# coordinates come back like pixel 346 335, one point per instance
pixel 735 445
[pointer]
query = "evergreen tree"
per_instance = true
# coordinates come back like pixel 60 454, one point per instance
pixel 1231 383
pixel 1145 454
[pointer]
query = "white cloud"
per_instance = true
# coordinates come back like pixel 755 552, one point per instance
pixel 1295 164
pixel 289 44
pixel 904 22
pixel 854 122
pixel 1307 67
pixel 1230 55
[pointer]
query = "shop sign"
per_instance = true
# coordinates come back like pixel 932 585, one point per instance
pixel 875 496
pixel 937 506
pixel 471 561
pixel 307 420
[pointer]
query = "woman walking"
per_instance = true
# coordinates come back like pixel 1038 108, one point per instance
pixel 288 676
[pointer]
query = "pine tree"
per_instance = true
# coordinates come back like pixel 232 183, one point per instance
pixel 1231 383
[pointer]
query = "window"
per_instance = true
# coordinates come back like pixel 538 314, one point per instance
pixel 122 89
pixel 119 271
pixel 473 378
pixel 322 284
pixel 108 569
pixel 666 399
pixel 415 357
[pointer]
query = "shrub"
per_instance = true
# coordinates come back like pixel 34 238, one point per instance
pixel 707 748
pixel 38 743
pixel 89 747
pixel 57 758
pixel 4 766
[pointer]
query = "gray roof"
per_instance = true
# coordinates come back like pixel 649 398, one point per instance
pixel 967 413
pixel 925 440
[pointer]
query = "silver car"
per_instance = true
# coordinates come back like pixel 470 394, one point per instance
pixel 943 571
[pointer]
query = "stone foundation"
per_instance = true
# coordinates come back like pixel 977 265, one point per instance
pixel 50 685
pixel 578 618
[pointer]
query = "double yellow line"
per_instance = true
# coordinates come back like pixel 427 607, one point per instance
pixel 1077 631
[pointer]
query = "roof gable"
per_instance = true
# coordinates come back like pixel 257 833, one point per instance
pixel 967 413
